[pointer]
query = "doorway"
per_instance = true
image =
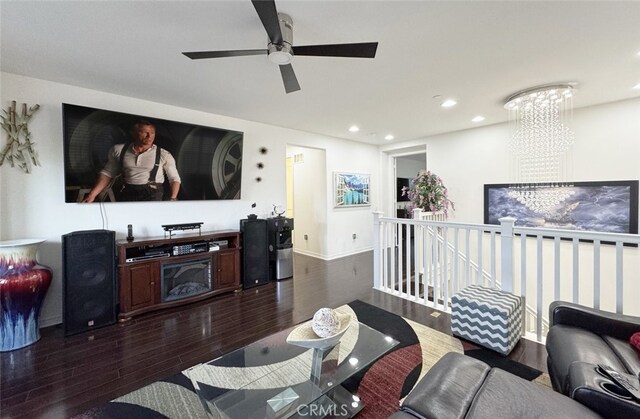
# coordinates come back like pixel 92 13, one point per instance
pixel 406 168
pixel 307 199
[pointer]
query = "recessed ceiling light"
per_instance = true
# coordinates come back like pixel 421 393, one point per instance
pixel 389 137
pixel 637 86
pixel 478 118
pixel 449 103
pixel 354 128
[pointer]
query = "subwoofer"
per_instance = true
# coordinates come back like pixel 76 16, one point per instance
pixel 89 280
pixel 255 252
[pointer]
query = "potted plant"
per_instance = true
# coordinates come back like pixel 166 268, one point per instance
pixel 428 193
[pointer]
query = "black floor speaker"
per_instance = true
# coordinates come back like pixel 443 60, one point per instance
pixel 255 252
pixel 89 280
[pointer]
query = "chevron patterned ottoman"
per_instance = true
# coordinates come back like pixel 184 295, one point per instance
pixel 488 317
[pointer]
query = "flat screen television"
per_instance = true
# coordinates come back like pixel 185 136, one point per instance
pixel 209 160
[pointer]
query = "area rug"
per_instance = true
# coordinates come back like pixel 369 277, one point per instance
pixel 381 386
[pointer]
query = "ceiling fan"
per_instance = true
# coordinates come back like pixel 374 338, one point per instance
pixel 280 50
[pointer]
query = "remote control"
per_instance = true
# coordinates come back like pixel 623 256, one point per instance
pixel 622 381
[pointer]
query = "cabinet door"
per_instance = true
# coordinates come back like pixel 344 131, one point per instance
pixel 226 274
pixel 143 285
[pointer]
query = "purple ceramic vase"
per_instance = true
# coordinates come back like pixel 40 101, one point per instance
pixel 23 285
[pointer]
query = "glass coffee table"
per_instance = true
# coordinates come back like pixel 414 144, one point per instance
pixel 273 379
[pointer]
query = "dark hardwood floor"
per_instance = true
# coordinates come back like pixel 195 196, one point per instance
pixel 59 377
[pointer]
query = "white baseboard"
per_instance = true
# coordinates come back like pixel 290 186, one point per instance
pixel 311 254
pixel 335 256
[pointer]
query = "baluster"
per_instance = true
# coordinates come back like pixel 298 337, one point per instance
pixel 576 270
pixel 408 260
pixel 455 259
pixel 393 229
pixel 596 274
pixel 385 256
pixel 434 266
pixel 539 291
pixel 467 268
pixel 400 258
pixel 523 265
pixel 493 260
pixel 480 267
pixel 377 241
pixel 416 277
pixel 619 278
pixel 425 263
pixel 556 269
pixel 445 285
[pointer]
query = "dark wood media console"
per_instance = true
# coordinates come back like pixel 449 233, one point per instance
pixel 159 273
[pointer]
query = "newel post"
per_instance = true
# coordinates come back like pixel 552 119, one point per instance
pixel 506 245
pixel 417 213
pixel 377 266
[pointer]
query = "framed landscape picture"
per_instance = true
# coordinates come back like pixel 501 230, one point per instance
pixel 609 206
pixel 350 190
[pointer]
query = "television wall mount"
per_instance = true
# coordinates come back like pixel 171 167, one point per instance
pixel 171 228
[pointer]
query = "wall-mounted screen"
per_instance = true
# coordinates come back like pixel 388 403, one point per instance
pixel 208 160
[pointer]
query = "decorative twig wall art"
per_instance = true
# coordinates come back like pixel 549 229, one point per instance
pixel 19 150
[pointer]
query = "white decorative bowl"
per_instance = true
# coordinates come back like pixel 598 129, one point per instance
pixel 304 335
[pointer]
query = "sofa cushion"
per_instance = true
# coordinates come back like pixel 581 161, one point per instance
pixel 448 388
pixel 568 344
pixel 505 395
pixel 626 353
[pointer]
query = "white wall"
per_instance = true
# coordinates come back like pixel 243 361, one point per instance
pixel 32 205
pixel 338 225
pixel 607 148
pixel 410 167
pixel 342 223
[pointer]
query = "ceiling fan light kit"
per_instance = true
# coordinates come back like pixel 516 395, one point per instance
pixel 282 53
pixel 280 49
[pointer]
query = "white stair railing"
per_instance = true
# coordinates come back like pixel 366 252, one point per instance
pixel 485 277
pixel 410 262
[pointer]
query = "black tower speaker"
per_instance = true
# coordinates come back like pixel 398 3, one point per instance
pixel 255 252
pixel 89 275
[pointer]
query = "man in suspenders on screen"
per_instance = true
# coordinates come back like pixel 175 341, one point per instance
pixel 142 166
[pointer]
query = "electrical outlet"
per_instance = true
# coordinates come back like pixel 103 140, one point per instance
pixel 354 236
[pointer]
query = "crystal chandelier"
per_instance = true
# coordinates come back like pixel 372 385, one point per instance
pixel 540 144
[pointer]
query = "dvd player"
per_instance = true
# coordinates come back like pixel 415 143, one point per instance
pixel 185 249
pixel 151 256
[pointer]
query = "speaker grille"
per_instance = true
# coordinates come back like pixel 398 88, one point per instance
pixel 255 252
pixel 89 280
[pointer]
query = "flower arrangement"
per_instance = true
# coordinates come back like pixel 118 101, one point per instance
pixel 428 193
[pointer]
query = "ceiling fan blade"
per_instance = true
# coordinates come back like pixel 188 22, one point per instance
pixel 289 78
pixel 361 50
pixel 269 16
pixel 198 55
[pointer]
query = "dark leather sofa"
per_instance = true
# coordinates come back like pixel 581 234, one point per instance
pixel 459 386
pixel 579 339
